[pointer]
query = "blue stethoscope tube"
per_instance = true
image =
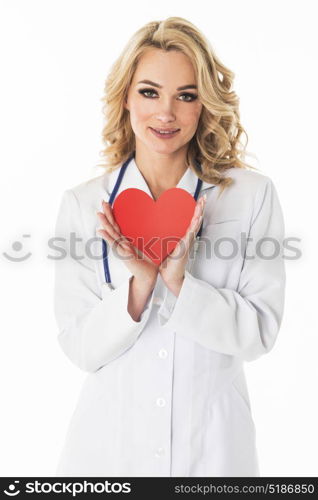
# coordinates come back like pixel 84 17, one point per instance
pixel 111 200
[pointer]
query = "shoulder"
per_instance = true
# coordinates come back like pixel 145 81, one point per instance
pixel 89 189
pixel 249 187
pixel 246 180
pixel 243 199
pixel 89 193
pixel 79 204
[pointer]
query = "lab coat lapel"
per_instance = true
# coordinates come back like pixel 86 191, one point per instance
pixel 133 178
pixel 189 180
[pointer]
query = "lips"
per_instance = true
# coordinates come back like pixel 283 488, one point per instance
pixel 165 129
pixel 164 133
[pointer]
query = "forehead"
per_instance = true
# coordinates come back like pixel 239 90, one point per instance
pixel 162 64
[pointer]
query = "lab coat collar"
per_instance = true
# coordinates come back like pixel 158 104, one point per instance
pixel 133 178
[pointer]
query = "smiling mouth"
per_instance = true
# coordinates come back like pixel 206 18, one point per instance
pixel 164 133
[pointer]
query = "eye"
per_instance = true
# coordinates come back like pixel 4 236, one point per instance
pixel 189 96
pixel 144 92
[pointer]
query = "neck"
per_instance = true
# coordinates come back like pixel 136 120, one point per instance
pixel 161 171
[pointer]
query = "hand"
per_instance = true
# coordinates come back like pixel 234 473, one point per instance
pixel 143 269
pixel 173 266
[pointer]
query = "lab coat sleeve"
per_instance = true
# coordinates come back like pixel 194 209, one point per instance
pixel 244 322
pixel 94 325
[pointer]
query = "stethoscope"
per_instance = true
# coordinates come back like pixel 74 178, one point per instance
pixel 111 200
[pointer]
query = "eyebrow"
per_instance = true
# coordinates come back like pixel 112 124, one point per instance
pixel 184 87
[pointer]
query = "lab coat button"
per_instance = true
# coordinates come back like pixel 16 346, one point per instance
pixel 160 452
pixel 161 402
pixel 162 353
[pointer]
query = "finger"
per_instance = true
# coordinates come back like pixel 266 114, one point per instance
pixel 202 199
pixel 106 236
pixel 189 236
pixel 109 214
pixel 197 224
pixel 109 227
pixel 115 242
pixel 193 230
pixel 199 211
pixel 108 219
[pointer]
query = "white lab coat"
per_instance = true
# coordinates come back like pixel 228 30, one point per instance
pixel 167 396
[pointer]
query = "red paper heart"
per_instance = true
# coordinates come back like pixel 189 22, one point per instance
pixel 154 227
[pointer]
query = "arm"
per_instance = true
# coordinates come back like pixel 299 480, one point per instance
pixel 138 297
pixel 95 326
pixel 243 322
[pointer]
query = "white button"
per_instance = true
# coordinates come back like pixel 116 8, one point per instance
pixel 160 452
pixel 161 402
pixel 162 353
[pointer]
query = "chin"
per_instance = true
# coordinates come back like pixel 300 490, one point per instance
pixel 166 151
pixel 164 148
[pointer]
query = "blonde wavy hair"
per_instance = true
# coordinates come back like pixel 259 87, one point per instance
pixel 216 144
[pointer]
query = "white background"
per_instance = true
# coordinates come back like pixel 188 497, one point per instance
pixel 55 58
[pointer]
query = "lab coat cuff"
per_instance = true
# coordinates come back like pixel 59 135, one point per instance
pixel 167 306
pixel 172 309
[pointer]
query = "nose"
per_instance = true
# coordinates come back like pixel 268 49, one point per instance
pixel 166 113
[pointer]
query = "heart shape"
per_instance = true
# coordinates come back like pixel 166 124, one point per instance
pixel 154 227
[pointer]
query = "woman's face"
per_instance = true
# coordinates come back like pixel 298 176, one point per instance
pixel 163 97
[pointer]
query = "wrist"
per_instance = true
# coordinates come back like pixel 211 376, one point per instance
pixel 175 281
pixel 175 286
pixel 143 283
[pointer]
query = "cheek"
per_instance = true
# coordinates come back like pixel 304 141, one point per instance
pixel 190 112
pixel 191 116
pixel 139 112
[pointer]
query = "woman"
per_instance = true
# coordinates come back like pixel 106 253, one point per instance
pixel 165 346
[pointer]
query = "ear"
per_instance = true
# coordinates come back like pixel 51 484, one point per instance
pixel 126 103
